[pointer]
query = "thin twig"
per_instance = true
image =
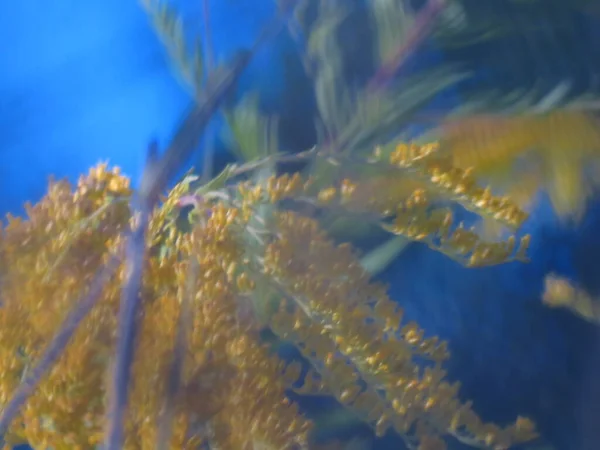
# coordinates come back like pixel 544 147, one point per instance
pixel 156 177
pixel 277 158
pixel 209 138
pixel 208 42
pixel 423 25
pixel 127 327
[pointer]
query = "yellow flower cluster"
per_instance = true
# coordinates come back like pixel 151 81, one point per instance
pixel 47 261
pixel 232 391
pixel 352 332
pixel 207 281
pixel 459 185
pixel 431 179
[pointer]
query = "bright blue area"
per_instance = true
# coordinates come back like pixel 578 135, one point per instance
pixel 80 82
pixel 85 81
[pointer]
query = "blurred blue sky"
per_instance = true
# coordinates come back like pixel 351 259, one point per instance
pixel 80 82
pixel 85 81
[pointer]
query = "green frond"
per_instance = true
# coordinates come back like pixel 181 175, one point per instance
pixel 381 257
pixel 392 21
pixel 333 95
pixel 351 118
pixel 380 118
pixel 253 135
pixel 186 59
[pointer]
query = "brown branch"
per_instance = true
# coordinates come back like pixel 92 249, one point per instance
pixel 156 177
pixel 179 350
